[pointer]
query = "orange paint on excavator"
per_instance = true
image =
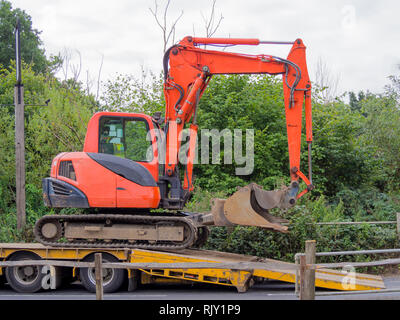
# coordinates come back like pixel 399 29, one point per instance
pixel 119 170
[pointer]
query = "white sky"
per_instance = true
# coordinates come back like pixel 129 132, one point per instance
pixel 357 39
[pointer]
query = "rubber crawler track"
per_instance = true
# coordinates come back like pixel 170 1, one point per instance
pixel 114 218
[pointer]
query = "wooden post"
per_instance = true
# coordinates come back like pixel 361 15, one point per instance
pixel 99 276
pixel 303 268
pixel 398 224
pixel 20 155
pixel 310 273
pixel 307 288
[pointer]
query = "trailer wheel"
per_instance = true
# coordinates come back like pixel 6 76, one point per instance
pixel 24 279
pixel 112 278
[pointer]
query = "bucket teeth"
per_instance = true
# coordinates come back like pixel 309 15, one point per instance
pixel 249 206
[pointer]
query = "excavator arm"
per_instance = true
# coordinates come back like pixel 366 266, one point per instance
pixel 105 176
pixel 188 70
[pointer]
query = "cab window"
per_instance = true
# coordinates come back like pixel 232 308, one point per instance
pixel 126 138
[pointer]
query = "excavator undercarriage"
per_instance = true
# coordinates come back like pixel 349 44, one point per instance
pixel 249 206
pixel 120 230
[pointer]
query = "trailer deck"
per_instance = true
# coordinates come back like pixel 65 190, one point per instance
pixel 258 268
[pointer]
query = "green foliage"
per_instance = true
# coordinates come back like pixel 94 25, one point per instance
pixel 201 199
pixel 128 93
pixel 245 102
pixel 49 130
pixel 382 131
pixel 264 243
pixel 355 167
pixel 31 51
pixel 340 160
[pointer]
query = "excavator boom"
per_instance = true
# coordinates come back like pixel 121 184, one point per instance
pixel 188 70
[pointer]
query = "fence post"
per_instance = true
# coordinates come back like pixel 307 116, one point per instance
pixel 20 156
pixel 398 224
pixel 303 268
pixel 310 273
pixel 99 276
pixel 297 275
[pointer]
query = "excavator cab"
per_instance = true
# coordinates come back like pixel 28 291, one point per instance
pixel 125 137
pixel 129 136
pixel 118 167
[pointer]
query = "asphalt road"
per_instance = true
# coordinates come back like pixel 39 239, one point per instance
pixel 269 290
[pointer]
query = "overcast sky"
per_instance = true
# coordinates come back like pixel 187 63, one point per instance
pixel 357 39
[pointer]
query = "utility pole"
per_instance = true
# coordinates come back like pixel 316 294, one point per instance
pixel 19 135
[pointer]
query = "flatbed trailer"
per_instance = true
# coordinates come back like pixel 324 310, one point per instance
pixel 32 279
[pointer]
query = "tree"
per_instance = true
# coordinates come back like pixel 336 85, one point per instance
pixel 128 93
pixel 245 102
pixel 168 33
pixel 340 159
pixel 326 82
pixel 382 132
pixel 58 127
pixel 393 89
pixel 210 24
pixel 31 51
pixel 355 100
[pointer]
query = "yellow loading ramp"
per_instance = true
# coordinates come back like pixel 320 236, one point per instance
pixel 271 269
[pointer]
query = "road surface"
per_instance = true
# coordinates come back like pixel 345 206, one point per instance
pixel 269 290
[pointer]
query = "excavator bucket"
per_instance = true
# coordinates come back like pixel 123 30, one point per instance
pixel 250 205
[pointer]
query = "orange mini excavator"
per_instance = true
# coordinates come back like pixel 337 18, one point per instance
pixel 122 175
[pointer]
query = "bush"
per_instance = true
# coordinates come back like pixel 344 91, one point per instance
pixel 61 126
pixel 303 226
